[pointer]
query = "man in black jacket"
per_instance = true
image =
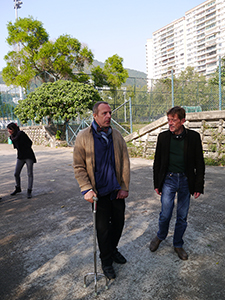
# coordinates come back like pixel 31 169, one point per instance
pixel 178 168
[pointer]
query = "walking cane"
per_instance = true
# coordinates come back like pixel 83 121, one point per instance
pixel 96 274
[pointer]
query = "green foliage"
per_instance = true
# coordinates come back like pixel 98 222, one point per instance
pixel 215 161
pixel 61 100
pixel 113 69
pixel 216 142
pixel 136 78
pixel 28 32
pixel 113 74
pixel 62 57
pixel 7 110
pixel 58 135
pixel 215 79
pixel 134 151
pixel 3 139
pixel 36 56
pixel 26 36
pixel 99 77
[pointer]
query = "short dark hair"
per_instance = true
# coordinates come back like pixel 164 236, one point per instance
pixel 180 111
pixel 95 107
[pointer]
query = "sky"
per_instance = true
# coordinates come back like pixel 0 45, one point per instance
pixel 107 27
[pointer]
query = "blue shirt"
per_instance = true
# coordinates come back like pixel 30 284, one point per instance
pixel 105 174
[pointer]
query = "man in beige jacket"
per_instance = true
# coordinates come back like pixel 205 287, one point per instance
pixel 102 169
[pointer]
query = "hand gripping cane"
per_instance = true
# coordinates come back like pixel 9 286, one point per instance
pixel 96 274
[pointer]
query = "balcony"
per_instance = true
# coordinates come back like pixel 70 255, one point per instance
pixel 201 46
pixel 210 9
pixel 211 26
pixel 211 63
pixel 211 59
pixel 201 61
pixel 210 15
pixel 171 54
pixel 211 53
pixel 200 36
pixel 210 48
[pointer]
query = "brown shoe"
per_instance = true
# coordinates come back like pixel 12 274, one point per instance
pixel 181 253
pixel 154 245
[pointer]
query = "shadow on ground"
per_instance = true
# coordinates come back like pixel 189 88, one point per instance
pixel 46 241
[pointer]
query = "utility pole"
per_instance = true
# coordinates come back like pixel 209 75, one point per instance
pixel 17 5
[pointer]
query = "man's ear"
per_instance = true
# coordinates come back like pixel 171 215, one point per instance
pixel 183 121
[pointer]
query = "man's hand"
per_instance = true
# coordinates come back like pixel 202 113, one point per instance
pixel 122 194
pixel 157 191
pixel 196 195
pixel 89 196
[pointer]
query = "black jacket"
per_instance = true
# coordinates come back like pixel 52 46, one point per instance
pixel 23 145
pixel 193 157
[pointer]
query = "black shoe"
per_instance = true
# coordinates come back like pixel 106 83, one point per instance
pixel 118 258
pixel 29 194
pixel 109 272
pixel 17 190
pixel 154 245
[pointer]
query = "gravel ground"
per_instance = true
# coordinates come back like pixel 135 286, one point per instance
pixel 46 242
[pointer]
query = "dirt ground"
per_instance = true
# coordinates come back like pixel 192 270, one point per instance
pixel 46 242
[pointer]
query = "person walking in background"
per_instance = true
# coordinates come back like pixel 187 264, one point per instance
pixel 25 155
pixel 102 169
pixel 178 169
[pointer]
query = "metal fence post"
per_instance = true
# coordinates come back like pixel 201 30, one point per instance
pixel 172 89
pixel 67 135
pixel 220 96
pixel 131 122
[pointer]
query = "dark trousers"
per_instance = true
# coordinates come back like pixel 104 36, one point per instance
pixel 109 223
pixel 19 166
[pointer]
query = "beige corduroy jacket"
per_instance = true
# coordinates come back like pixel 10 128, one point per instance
pixel 84 160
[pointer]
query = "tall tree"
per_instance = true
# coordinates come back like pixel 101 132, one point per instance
pixel 26 36
pixel 113 73
pixel 35 55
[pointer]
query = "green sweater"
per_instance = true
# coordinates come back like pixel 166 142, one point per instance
pixel 176 158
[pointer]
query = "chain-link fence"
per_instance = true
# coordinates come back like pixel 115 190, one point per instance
pixel 150 102
pixel 150 99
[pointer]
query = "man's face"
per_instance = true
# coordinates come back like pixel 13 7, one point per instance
pixel 175 124
pixel 103 117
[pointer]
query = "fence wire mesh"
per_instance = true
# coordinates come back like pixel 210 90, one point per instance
pixel 150 99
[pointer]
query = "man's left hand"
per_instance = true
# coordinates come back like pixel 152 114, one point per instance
pixel 122 194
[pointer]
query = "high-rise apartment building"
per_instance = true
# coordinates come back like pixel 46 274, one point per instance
pixel 197 40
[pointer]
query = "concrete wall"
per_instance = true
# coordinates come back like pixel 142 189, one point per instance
pixel 210 125
pixel 40 135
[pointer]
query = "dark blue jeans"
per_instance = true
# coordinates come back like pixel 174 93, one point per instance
pixel 174 183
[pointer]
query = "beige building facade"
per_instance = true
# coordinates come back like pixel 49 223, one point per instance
pixel 196 40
